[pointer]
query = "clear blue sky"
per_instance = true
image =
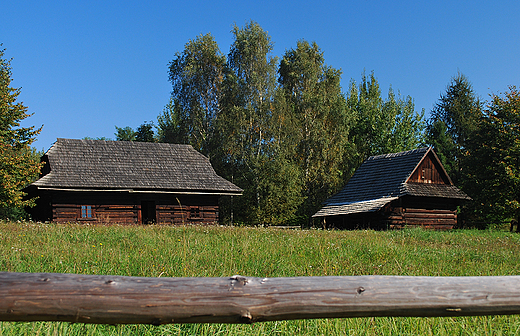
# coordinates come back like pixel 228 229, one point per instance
pixel 87 66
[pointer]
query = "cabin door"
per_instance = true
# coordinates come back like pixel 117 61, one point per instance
pixel 148 213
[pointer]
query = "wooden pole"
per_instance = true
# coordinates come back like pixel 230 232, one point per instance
pixel 122 300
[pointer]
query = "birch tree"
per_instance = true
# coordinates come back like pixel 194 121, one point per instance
pixel 316 108
pixel 196 75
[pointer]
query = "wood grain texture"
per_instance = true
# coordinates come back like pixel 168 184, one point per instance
pixel 122 300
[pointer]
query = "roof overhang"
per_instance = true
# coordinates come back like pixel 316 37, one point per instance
pixel 134 191
pixel 354 207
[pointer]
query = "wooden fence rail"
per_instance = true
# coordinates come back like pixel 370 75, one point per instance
pixel 122 300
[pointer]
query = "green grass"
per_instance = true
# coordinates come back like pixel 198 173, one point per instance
pixel 155 251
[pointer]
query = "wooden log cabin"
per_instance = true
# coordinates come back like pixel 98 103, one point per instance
pixel 127 182
pixel 406 189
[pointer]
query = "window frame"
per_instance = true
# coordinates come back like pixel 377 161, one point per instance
pixel 86 212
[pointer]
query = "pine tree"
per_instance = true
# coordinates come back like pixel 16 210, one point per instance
pixel 453 121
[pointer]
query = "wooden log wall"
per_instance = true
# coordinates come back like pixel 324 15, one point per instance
pixel 129 214
pixel 197 214
pixel 127 209
pixel 425 218
pixel 237 299
pixel 433 219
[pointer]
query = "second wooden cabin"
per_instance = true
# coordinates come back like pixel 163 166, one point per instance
pixel 396 190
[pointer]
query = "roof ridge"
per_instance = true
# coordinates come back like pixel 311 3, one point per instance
pixel 403 153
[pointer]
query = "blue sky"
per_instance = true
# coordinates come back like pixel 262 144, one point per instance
pixel 87 66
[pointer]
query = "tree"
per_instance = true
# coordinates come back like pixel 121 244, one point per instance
pixel 382 126
pixel 18 164
pixel 169 124
pixel 406 127
pixel 245 136
pixel 493 160
pixel 196 75
pixel 370 124
pixel 125 134
pixel 315 111
pixel 452 122
pixel 145 133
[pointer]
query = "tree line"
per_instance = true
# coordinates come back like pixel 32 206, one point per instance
pixel 284 130
pixel 280 128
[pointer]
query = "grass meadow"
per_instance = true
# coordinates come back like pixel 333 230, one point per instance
pixel 206 251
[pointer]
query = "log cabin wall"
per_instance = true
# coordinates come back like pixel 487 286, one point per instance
pixel 431 213
pixel 130 208
pixel 408 212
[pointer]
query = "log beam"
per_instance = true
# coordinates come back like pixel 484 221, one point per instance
pixel 123 300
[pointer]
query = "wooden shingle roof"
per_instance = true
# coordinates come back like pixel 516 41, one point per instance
pixel 126 165
pixel 383 178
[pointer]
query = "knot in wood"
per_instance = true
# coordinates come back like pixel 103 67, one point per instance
pixel 246 318
pixel 360 290
pixel 237 281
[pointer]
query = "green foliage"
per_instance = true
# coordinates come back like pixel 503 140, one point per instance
pixel 144 133
pixel 443 144
pixel 290 142
pixel 382 126
pixel 18 162
pixel 169 124
pixel 453 121
pixel 314 110
pixel 493 160
pixel 246 144
pixel 154 251
pixel 196 75
pixel 125 134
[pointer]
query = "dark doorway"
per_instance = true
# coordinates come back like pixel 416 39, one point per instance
pixel 148 212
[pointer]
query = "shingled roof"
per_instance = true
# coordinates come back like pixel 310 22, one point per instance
pixel 384 178
pixel 126 165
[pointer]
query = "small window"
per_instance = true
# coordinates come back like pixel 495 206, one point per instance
pixel 195 213
pixel 86 211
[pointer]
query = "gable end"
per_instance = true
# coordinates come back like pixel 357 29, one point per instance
pixel 430 171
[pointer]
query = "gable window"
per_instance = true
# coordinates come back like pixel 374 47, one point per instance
pixel 86 211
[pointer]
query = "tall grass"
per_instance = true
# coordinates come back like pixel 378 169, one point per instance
pixel 157 251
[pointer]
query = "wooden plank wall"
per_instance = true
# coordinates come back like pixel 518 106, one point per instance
pixel 429 171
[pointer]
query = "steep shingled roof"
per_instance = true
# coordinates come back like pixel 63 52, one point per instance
pixel 98 164
pixel 383 178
